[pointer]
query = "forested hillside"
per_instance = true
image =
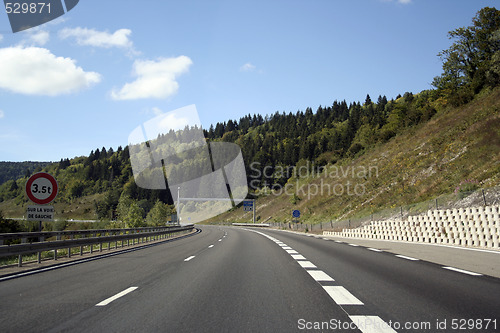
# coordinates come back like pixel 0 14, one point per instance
pixel 101 185
pixel 267 143
pixel 14 170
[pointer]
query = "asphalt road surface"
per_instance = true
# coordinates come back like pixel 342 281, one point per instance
pixel 228 279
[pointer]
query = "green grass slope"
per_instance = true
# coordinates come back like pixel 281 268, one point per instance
pixel 457 145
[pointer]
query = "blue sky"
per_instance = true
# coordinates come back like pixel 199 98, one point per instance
pixel 87 79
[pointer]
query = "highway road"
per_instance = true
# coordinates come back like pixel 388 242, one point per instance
pixel 228 279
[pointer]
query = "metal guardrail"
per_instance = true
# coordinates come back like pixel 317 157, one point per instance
pixel 106 236
pixel 250 224
pixel 72 233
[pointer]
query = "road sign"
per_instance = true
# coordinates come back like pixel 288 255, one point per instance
pixel 41 188
pixel 40 213
pixel 247 206
pixel 296 213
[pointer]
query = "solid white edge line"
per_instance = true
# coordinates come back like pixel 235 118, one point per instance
pixel 417 243
pixel 369 324
pixel 462 271
pixel 407 258
pixel 189 258
pixel 375 250
pixel 115 297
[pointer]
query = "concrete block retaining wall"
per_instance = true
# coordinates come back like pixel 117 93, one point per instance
pixel 473 226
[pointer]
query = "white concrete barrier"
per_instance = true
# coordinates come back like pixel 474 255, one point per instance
pixel 472 226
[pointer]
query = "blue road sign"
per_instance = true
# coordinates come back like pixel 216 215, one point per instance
pixel 296 213
pixel 247 206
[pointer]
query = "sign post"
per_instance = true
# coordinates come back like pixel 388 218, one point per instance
pixel 41 188
pixel 249 205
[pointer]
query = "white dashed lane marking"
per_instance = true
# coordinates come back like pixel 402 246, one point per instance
pixel 115 297
pixel 306 264
pixel 320 275
pixel 342 296
pixel 189 258
pixel 369 324
pixel 298 257
pixel 339 294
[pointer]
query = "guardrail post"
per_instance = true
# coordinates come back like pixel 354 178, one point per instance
pixel 58 237
pixel 69 248
pixel 39 254
pixel 20 257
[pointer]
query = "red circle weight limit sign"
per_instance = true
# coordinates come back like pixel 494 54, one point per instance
pixel 41 188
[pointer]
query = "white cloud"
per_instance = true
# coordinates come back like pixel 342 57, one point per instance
pixel 155 79
pixel 39 37
pixel 171 121
pixel 248 67
pixel 2 114
pixel 36 71
pixel 157 111
pixel 1 38
pixel 91 37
